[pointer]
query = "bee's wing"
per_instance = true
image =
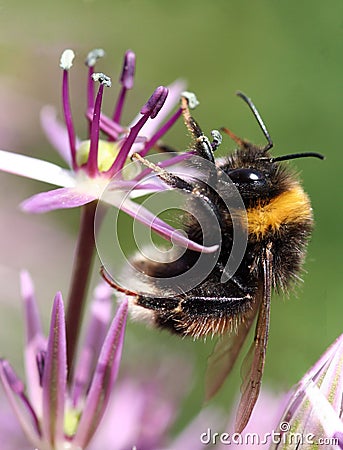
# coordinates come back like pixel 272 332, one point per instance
pixel 225 354
pixel 253 365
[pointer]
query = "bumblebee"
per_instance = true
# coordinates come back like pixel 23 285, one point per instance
pixel 278 226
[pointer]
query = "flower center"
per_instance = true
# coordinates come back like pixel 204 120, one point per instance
pixel 107 152
pixel 71 421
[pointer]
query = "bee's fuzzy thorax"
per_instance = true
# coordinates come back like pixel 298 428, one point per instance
pixel 290 207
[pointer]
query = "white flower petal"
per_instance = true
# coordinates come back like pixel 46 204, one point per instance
pixel 36 169
pixel 57 134
pixel 323 411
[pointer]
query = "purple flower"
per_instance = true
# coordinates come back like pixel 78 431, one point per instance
pixel 56 415
pixel 95 163
pixel 52 414
pixel 311 414
pixel 314 412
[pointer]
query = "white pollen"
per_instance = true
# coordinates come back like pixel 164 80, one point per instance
pixel 66 61
pixel 192 99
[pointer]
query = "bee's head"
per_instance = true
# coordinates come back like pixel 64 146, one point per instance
pixel 253 170
pixel 258 175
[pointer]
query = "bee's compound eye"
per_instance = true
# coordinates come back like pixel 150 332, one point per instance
pixel 246 176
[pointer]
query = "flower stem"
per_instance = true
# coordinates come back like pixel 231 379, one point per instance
pixel 83 260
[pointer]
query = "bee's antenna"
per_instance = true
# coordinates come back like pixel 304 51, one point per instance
pixel 254 110
pixel 297 155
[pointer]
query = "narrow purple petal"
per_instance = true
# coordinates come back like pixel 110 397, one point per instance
pixel 339 437
pixel 318 396
pixel 33 323
pixel 104 377
pixel 35 169
pixel 55 375
pixel 35 341
pixel 155 102
pixel 57 199
pixel 316 370
pixel 146 217
pixel 332 381
pixel 12 378
pixel 56 133
pixel 100 316
pixel 14 389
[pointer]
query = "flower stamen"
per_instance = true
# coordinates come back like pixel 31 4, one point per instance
pixel 126 80
pixel 150 109
pixel 92 163
pixel 192 103
pixel 66 63
pixel 90 62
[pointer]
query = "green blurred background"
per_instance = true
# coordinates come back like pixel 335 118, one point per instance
pixel 286 55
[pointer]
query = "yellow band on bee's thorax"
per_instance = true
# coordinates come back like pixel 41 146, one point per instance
pixel 292 206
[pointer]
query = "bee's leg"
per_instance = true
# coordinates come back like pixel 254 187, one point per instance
pixel 203 146
pixel 197 188
pixel 172 180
